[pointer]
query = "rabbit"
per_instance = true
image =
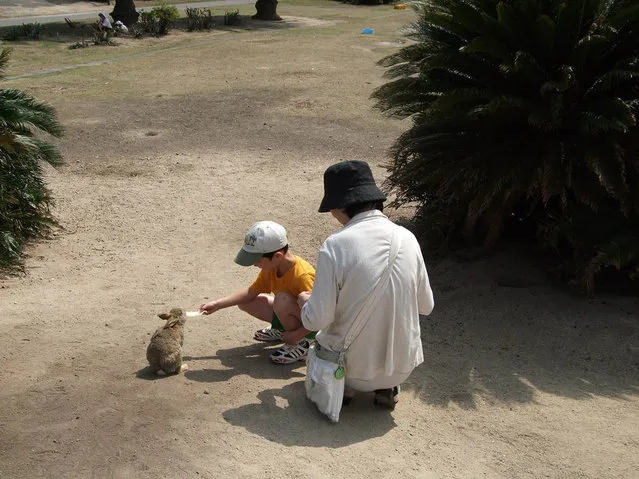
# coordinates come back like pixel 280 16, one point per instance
pixel 165 349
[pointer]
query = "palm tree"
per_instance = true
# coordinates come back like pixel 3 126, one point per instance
pixel 520 108
pixel 24 199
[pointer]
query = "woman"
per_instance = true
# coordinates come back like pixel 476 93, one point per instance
pixel 350 264
pixel 104 23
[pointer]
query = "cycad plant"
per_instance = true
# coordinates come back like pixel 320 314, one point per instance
pixel 24 198
pixel 525 110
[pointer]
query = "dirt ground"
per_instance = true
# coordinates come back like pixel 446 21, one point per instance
pixel 170 157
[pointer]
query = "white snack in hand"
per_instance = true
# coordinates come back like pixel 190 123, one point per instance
pixel 191 314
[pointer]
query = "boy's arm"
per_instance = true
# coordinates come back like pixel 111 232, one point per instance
pixel 305 283
pixel 245 295
pixel 294 337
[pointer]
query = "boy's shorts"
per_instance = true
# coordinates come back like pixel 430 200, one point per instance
pixel 276 324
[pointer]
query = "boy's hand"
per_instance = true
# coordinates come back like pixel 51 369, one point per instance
pixel 209 308
pixel 302 298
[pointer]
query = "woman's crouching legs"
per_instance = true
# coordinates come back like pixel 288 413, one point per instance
pixel 385 389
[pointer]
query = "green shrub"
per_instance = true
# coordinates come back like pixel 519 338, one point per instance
pixel 592 241
pixel 199 19
pixel 28 31
pixel 166 16
pixel 137 30
pixel 12 34
pixel 159 20
pixel 523 112
pixel 32 30
pixel 232 18
pixel 147 23
pixel 102 37
pixel 24 198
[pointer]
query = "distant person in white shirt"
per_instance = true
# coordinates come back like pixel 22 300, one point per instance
pixel 121 27
pixel 350 263
pixel 103 22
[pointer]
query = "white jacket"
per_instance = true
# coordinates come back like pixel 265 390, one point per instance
pixel 349 264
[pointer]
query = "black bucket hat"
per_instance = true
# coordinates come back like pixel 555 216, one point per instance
pixel 347 183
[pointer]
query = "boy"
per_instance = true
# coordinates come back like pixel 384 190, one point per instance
pixel 273 295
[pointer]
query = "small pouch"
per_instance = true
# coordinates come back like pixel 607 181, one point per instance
pixel 325 384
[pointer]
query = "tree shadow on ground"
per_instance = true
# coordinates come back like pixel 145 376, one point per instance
pixel 290 406
pixel 247 23
pixel 60 31
pixel 53 3
pixel 500 331
pixel 251 360
pixel 35 7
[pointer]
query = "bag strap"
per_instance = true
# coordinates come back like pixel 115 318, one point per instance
pixel 364 314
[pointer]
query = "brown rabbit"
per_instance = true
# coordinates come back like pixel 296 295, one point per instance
pixel 165 350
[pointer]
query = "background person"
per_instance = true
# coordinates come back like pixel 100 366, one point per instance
pixel 103 22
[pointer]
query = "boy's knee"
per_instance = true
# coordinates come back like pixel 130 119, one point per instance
pixel 243 307
pixel 284 298
pixel 284 302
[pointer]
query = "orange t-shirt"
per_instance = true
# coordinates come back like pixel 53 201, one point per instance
pixel 299 278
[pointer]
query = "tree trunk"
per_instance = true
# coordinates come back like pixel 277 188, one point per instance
pixel 266 10
pixel 124 11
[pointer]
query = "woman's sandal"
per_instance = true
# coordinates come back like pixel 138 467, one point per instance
pixel 349 394
pixel 386 398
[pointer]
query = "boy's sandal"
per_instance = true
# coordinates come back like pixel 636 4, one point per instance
pixel 288 354
pixel 386 398
pixel 268 334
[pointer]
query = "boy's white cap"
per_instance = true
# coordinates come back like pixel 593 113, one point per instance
pixel 262 237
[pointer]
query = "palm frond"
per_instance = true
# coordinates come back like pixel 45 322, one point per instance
pixel 5 53
pixel 525 104
pixel 24 199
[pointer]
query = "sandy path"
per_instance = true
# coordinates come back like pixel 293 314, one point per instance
pixel 166 168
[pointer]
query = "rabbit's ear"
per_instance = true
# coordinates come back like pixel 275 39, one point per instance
pixel 164 315
pixel 171 323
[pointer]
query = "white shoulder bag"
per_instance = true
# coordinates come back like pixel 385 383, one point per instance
pixel 325 370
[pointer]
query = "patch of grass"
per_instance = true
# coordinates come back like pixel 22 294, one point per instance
pixel 80 44
pixel 369 2
pixel 52 50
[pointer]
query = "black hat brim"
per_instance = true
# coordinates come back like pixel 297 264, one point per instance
pixel 359 194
